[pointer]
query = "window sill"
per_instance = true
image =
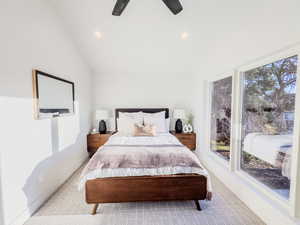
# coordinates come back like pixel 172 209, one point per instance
pixel 252 183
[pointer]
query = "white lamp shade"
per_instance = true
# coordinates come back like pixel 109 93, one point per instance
pixel 102 114
pixel 179 114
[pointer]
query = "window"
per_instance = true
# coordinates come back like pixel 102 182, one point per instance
pixel 221 117
pixel 267 123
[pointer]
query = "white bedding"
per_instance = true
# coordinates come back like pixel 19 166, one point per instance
pixel 161 140
pixel 268 148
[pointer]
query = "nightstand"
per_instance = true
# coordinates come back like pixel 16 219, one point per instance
pixel 94 141
pixel 188 139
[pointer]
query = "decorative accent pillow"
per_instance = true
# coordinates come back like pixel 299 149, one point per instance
pixel 148 130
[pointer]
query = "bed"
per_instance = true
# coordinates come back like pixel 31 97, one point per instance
pixel 273 149
pixel 131 169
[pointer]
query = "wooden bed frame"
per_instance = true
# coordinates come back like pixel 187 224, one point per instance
pixel 145 188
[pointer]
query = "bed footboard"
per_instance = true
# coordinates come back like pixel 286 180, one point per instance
pixel 146 188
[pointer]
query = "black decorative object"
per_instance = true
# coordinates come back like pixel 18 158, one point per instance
pixel 174 5
pixel 178 126
pixel 102 127
pixel 119 7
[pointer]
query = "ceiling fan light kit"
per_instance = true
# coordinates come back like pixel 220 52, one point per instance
pixel 174 5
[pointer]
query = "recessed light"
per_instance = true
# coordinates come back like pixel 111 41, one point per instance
pixel 98 35
pixel 184 35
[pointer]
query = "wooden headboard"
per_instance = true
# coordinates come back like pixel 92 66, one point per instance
pixel 145 110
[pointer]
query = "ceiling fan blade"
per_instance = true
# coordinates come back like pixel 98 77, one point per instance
pixel 119 7
pixel 174 5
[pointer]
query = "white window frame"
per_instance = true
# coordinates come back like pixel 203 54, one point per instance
pixel 213 155
pixel 293 203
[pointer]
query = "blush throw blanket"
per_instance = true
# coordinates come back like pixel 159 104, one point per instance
pixel 141 156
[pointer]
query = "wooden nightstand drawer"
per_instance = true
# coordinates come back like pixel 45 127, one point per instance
pixel 189 140
pixel 185 138
pixel 189 145
pixel 185 141
pixel 95 141
pixel 94 145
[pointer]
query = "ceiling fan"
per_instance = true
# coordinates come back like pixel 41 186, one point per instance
pixel 174 5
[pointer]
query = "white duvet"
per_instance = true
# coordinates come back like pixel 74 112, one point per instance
pixel 159 139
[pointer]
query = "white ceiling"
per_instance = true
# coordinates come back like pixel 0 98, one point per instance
pixel 146 37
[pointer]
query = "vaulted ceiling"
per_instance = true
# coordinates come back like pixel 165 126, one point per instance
pixel 148 37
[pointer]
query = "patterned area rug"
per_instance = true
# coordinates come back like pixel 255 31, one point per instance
pixel 67 207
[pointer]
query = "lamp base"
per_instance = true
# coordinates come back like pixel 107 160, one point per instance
pixel 102 127
pixel 178 126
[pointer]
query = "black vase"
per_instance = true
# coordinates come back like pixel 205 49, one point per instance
pixel 102 127
pixel 178 126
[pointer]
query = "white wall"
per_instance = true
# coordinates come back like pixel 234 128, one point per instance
pixel 37 155
pixel 143 89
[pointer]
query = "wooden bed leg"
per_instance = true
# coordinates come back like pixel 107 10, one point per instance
pixel 95 209
pixel 198 205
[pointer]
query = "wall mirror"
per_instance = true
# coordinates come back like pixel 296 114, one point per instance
pixel 53 96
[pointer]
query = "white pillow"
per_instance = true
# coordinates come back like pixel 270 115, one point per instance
pixel 136 116
pixel 161 114
pixel 158 122
pixel 168 125
pixel 126 125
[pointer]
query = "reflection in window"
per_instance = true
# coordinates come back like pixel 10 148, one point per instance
pixel 268 121
pixel 221 117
